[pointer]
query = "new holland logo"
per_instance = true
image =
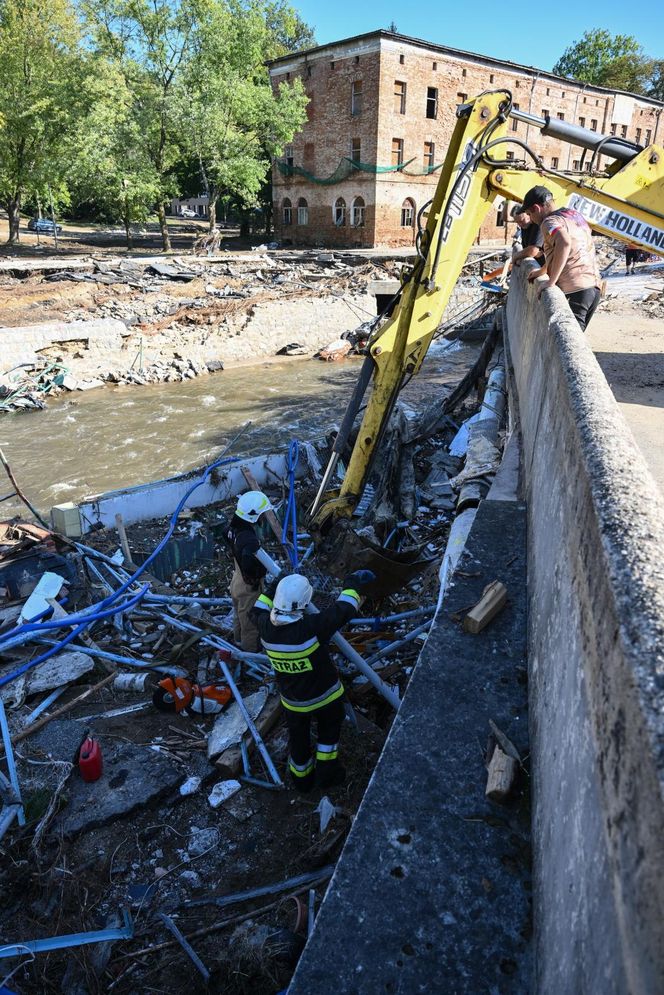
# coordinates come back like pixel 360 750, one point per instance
pixel 611 220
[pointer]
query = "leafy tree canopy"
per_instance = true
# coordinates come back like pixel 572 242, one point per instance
pixel 615 61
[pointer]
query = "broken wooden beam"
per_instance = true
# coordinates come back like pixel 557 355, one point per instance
pixel 501 777
pixel 492 601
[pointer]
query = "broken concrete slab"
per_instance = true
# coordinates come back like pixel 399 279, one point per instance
pixel 133 777
pixel 58 670
pixel 230 726
pixel 222 791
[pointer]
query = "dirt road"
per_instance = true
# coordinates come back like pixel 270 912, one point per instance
pixel 630 349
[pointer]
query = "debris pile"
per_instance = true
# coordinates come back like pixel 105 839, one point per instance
pixel 125 696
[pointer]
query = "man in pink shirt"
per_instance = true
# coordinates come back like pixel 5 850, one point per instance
pixel 569 253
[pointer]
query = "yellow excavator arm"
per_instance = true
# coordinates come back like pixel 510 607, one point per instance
pixel 626 204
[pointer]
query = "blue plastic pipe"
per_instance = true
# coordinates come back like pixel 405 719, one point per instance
pixel 290 518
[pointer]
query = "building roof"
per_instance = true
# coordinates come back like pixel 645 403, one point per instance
pixel 457 53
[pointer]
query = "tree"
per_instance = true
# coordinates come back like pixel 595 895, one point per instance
pixel 113 169
pixel 656 88
pixel 615 61
pixel 150 41
pixel 41 67
pixel 590 58
pixel 231 121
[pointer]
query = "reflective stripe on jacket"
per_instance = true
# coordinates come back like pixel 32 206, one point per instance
pixel 299 654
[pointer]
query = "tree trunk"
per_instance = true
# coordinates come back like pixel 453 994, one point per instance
pixel 126 217
pixel 13 213
pixel 165 236
pixel 212 208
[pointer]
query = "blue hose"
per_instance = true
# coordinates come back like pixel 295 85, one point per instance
pixel 290 518
pixel 111 598
pixel 69 620
pixel 98 611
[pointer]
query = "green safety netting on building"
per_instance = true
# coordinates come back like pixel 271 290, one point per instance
pixel 348 166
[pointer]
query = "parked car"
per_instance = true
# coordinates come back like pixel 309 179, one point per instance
pixel 188 212
pixel 43 225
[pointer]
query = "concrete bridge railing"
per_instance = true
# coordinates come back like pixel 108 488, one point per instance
pixel 596 650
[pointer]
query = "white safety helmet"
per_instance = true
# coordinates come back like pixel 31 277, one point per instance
pixel 293 594
pixel 250 506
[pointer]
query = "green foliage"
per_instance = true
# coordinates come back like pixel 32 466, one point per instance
pixel 41 105
pixel 231 121
pixel 120 104
pixel 614 61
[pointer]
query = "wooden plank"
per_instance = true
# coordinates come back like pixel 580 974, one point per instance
pixel 492 601
pixel 501 776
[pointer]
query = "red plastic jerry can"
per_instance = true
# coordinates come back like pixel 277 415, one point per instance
pixel 90 761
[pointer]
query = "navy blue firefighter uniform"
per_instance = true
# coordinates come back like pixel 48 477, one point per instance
pixel 309 684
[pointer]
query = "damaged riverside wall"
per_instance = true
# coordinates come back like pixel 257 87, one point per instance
pixel 596 662
pixel 99 346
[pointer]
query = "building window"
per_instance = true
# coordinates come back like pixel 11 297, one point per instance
pixel 623 131
pixel 613 128
pixel 357 60
pixel 561 116
pixel 357 213
pixel 287 212
pixel 575 165
pixel 648 134
pixel 331 65
pixel 399 97
pixel 582 122
pixel 515 123
pixel 563 94
pixel 464 73
pixel 356 97
pixel 517 83
pixel 356 149
pixel 638 136
pixel 545 112
pixel 308 72
pixel 435 66
pixel 402 59
pixel 432 102
pixel 593 124
pixel 429 154
pixel 302 212
pixel 588 166
pixel 288 153
pixel 509 155
pixel 463 97
pixel 584 100
pixel 554 162
pixel 597 103
pixel 408 213
pixel 339 212
pixel 548 92
pixel 397 151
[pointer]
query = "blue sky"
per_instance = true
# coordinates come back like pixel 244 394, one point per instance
pixel 533 33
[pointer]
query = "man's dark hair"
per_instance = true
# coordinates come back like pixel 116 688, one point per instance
pixel 537 195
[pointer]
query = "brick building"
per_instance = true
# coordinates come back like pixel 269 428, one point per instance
pixel 383 99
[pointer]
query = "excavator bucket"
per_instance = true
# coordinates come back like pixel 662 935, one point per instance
pixel 343 551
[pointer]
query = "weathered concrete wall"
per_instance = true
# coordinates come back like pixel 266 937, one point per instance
pixel 596 650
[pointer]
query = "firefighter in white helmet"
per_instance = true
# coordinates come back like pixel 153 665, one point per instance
pixel 297 644
pixel 248 572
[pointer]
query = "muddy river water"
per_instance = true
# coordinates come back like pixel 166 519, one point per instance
pixel 87 443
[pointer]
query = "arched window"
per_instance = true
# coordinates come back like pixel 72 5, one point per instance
pixel 408 213
pixel 302 212
pixel 357 213
pixel 339 212
pixel 287 211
